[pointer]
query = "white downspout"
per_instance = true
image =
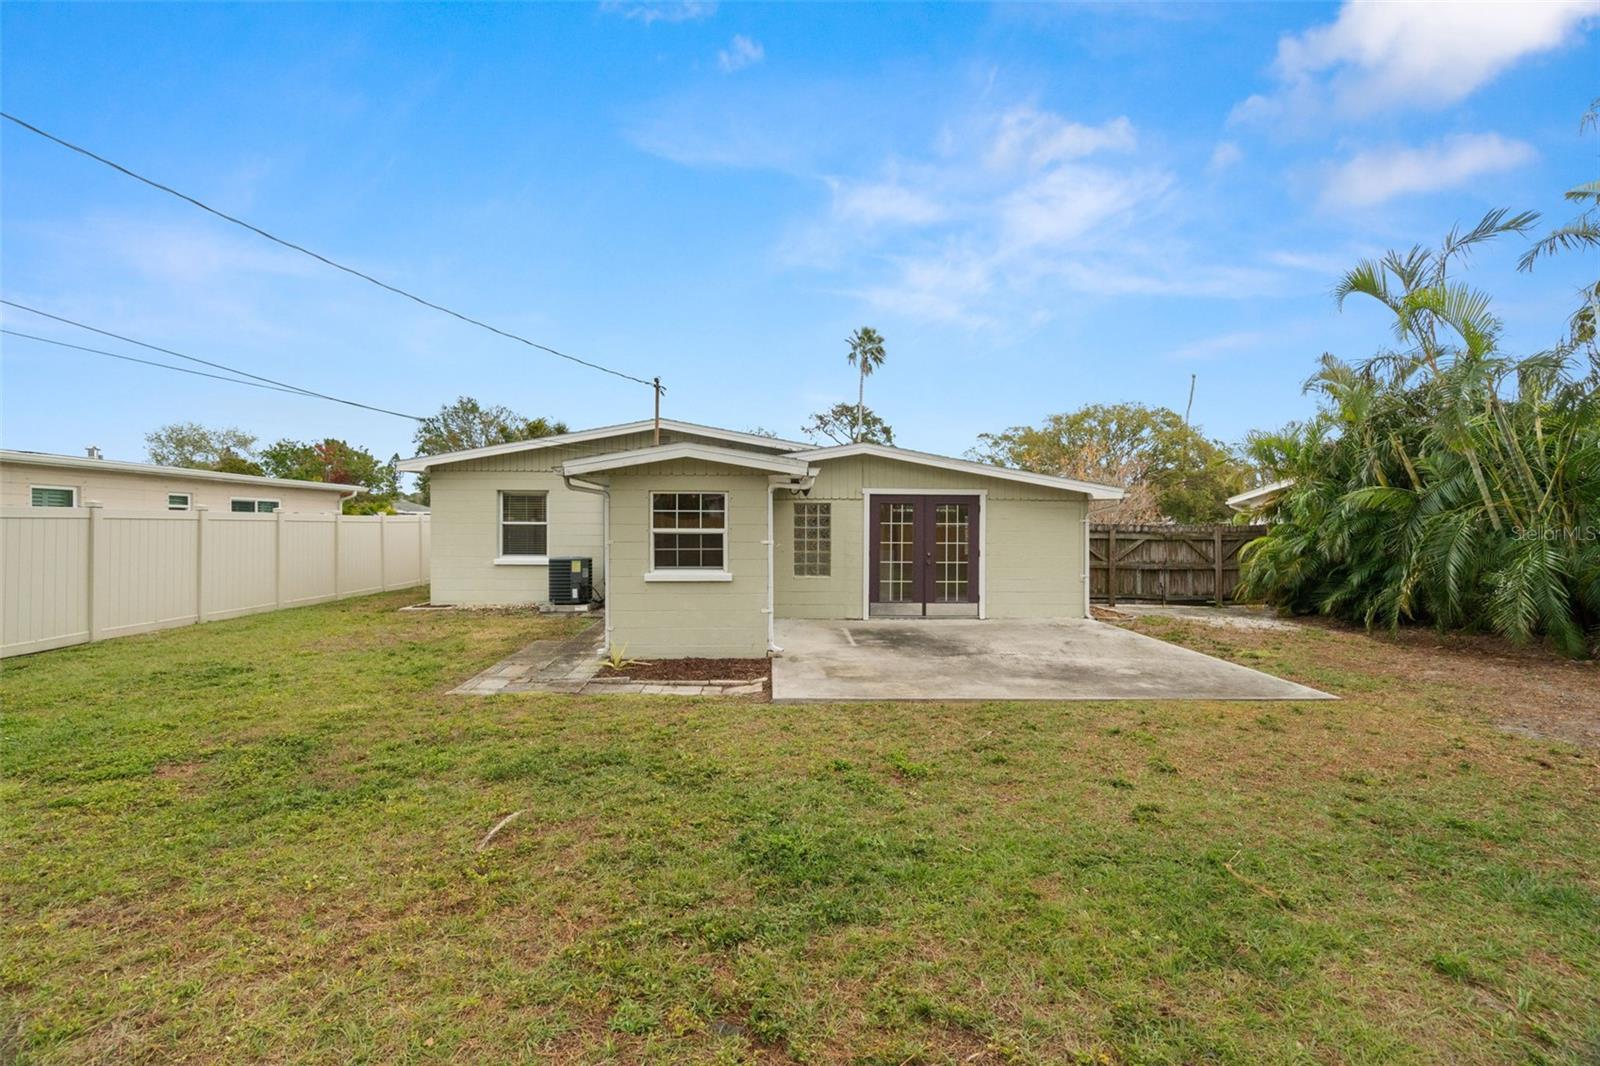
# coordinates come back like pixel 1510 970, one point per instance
pixel 775 483
pixel 772 626
pixel 1087 613
pixel 605 544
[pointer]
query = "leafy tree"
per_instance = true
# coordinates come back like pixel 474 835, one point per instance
pixel 200 447
pixel 468 424
pixel 1169 469
pixel 335 462
pixel 847 423
pixel 866 355
pixel 1443 482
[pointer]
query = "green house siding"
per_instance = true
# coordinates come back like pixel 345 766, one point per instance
pixel 466 519
pixel 1033 554
pixel 713 619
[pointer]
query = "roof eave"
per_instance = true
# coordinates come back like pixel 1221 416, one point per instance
pixel 1090 489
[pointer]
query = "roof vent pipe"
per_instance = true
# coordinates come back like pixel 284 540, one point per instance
pixel 93 452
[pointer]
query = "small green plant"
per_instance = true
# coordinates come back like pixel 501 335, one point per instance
pixel 617 657
pixel 913 771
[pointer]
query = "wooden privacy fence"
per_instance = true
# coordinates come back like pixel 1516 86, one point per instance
pixel 1166 564
pixel 74 575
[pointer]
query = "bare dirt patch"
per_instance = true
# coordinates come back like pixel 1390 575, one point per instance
pixel 1527 690
pixel 693 670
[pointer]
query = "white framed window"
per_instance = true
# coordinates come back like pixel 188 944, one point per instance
pixel 52 496
pixel 177 501
pixel 813 539
pixel 241 505
pixel 689 532
pixel 524 527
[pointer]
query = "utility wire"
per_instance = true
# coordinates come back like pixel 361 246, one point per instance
pixel 149 362
pixel 284 385
pixel 322 258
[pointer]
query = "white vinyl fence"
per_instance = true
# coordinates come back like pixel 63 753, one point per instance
pixel 73 575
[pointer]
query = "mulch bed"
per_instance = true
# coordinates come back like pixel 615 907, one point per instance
pixel 693 670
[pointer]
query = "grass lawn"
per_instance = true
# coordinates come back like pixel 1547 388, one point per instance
pixel 258 840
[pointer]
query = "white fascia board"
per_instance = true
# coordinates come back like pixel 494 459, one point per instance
pixel 965 466
pixel 1244 501
pixel 420 464
pixel 117 466
pixel 776 464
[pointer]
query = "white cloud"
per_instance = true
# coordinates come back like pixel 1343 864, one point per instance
pixel 885 203
pixel 1221 344
pixel 1038 138
pixel 1226 154
pixel 1373 177
pixel 741 52
pixel 1384 56
pixel 662 11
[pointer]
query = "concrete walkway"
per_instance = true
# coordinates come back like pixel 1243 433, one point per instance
pixel 964 659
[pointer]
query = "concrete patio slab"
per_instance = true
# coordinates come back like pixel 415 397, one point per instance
pixel 1011 659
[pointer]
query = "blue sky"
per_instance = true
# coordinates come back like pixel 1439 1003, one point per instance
pixel 1039 207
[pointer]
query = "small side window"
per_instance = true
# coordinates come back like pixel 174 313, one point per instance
pixel 52 496
pixel 177 501
pixel 239 506
pixel 813 539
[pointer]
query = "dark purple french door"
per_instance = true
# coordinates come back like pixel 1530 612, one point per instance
pixel 924 559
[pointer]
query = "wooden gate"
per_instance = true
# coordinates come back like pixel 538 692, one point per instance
pixel 1166 564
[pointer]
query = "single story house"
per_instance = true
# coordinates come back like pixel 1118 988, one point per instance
pixel 39 479
pixel 701 536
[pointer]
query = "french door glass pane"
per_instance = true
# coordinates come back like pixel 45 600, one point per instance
pixel 951 537
pixel 897 524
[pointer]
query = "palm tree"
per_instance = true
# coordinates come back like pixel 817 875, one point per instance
pixel 866 354
pixel 1445 481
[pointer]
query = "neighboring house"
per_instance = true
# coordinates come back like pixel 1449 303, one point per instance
pixel 39 479
pixel 1254 501
pixel 405 506
pixel 698 542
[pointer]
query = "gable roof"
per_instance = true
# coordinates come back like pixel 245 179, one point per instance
pixel 116 466
pixel 775 464
pixel 421 463
pixel 965 466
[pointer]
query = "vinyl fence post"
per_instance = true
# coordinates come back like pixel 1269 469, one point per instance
pixel 92 589
pixel 383 551
pixel 200 527
pixel 277 584
pixel 422 554
pixel 338 524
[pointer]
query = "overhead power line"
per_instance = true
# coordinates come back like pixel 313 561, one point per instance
pixel 283 385
pixel 656 384
pixel 149 362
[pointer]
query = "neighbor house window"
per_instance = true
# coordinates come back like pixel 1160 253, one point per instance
pixel 688 530
pixel 524 523
pixel 252 506
pixel 52 496
pixel 813 539
pixel 177 501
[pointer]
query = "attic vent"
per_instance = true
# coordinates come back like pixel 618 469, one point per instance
pixel 93 452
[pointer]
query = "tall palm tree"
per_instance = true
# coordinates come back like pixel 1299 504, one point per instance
pixel 866 354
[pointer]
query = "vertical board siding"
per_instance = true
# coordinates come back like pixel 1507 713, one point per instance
pixel 75 574
pixel 1033 555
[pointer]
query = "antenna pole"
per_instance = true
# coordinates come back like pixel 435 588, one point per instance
pixel 656 384
pixel 1186 410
